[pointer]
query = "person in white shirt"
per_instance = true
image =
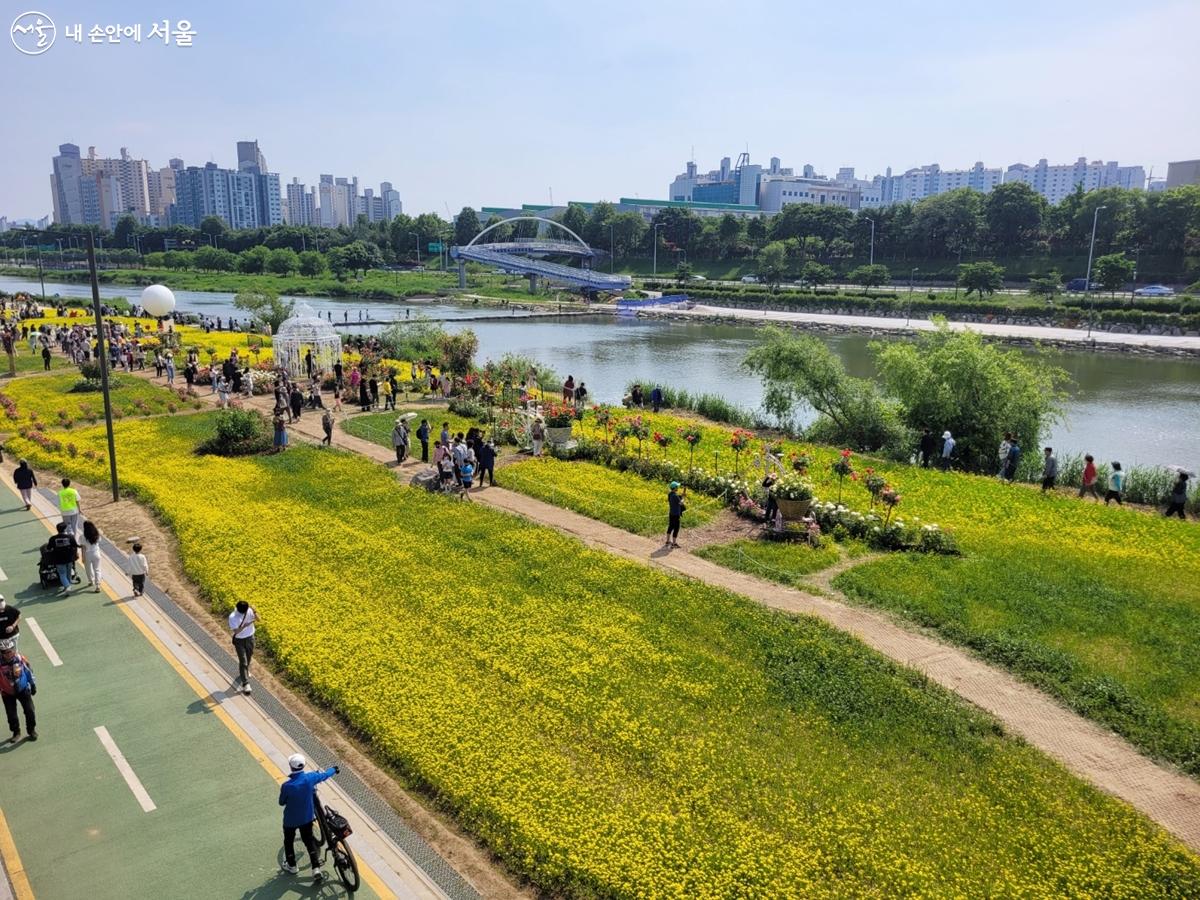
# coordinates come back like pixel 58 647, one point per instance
pixel 241 624
pixel 139 568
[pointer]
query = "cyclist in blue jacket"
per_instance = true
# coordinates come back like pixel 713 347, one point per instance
pixel 296 798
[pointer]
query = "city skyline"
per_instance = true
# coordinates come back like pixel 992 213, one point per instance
pixel 457 117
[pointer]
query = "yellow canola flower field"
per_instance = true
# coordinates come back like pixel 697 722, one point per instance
pixel 609 730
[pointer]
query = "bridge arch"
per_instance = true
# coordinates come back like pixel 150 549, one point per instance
pixel 581 241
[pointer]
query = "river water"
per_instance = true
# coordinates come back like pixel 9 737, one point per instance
pixel 1139 410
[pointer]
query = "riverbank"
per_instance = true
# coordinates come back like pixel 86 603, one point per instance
pixel 1074 339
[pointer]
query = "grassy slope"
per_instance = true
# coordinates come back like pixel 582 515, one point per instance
pixel 608 729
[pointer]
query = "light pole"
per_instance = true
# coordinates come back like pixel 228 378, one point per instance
pixel 1087 282
pixel 908 312
pixel 1137 258
pixel 872 221
pixel 656 227
pixel 102 359
pixel 62 262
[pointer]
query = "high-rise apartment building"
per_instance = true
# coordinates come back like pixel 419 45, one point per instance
pixel 1182 173
pixel 249 157
pixel 133 175
pixel 1056 183
pixel 392 206
pixel 301 204
pixel 64 185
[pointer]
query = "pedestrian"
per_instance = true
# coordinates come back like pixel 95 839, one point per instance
pixel 308 363
pixel 487 463
pixel 538 433
pixel 568 389
pixel 170 366
pixel 387 388
pixel 222 392
pixel 337 398
pixel 675 510
pixel 400 440
pixel 1049 470
pixel 948 444
pixel 68 505
pixel 327 427
pixel 1178 497
pixel 444 464
pixel 466 477
pixel 1012 460
pixel 64 550
pixel 768 484
pixel 26 481
pixel 338 372
pixel 280 437
pixel 1003 455
pixel 297 402
pixel 46 358
pixel 1090 475
pixel 17 686
pixel 373 384
pixel 91 554
pixel 581 393
pixel 9 627
pixel 656 398
pixel 444 437
pixel 423 437
pixel 364 398
pixel 139 568
pixel 927 448
pixel 299 814
pixel 1116 484
pixel 241 626
pixel 635 396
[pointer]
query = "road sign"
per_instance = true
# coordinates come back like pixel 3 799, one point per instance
pixel 435 247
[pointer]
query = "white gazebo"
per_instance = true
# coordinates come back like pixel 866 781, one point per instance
pixel 306 332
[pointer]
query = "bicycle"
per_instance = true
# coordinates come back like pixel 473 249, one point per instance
pixel 331 833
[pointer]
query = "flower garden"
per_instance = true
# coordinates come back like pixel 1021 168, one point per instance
pixel 608 729
pixel 56 401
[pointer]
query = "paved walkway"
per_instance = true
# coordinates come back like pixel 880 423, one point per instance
pixel 884 323
pixel 150 778
pixel 1090 751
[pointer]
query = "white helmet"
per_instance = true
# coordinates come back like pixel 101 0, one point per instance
pixel 296 762
pixel 8 644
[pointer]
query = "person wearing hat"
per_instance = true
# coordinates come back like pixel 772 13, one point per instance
pixel 17 685
pixel 9 629
pixel 947 449
pixel 675 510
pixel 296 798
pixel 400 439
pixel 537 434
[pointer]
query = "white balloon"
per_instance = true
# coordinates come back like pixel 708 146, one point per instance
pixel 158 300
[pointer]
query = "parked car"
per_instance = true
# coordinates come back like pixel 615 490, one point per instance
pixel 1154 290
pixel 749 279
pixel 1080 284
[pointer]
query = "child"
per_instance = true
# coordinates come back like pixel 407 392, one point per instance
pixel 1116 485
pixel 467 474
pixel 139 568
pixel 445 467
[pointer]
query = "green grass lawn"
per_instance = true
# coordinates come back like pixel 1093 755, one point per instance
pixel 377 427
pixel 610 730
pixel 785 562
pixel 621 499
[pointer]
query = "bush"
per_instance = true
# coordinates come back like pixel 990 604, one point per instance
pixel 240 432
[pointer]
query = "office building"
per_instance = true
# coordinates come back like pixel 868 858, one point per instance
pixel 65 185
pixel 777 191
pixel 1183 173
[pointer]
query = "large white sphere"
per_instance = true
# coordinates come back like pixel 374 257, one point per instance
pixel 158 300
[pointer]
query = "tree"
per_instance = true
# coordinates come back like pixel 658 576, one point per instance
pixel 944 223
pixel 756 230
pixel 283 261
pixel 177 259
pixel 870 276
pixel 772 262
pixel 265 308
pixel 683 271
pixel 1048 285
pixel 981 277
pixel 254 260
pixel 124 231
pixel 575 217
pixel 458 351
pixel 1112 271
pixel 801 370
pixel 527 229
pixel 1013 215
pixel 500 234
pixel 953 380
pixel 312 263
pixel 466 226
pixel 206 258
pixel 629 229
pixel 213 226
pixel 360 256
pixel 816 274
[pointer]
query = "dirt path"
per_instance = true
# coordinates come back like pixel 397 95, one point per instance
pixel 1085 748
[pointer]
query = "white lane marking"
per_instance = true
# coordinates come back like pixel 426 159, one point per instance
pixel 122 765
pixel 47 648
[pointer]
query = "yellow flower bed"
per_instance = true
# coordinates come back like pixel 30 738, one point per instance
pixel 609 730
pixel 52 400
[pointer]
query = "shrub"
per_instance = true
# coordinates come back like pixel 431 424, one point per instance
pixel 239 432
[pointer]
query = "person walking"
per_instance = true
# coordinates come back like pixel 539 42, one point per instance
pixel 279 438
pixel 170 366
pixel 373 387
pixel 296 401
pixel 423 437
pixel 46 358
pixel 487 463
pixel 675 510
pixel 327 427
pixel 1116 484
pixel 91 554
pixel 17 687
pixel 927 447
pixel 10 628
pixel 1003 455
pixel 1090 475
pixel 948 444
pixel 538 434
pixel 25 480
pixel 389 398
pixel 568 389
pixel 241 625
pixel 1178 497
pixel 222 391
pixel 400 440
pixel 299 814
pixel 64 550
pixel 139 568
pixel 656 398
pixel 581 393
pixel 1012 460
pixel 1049 470
pixel 68 505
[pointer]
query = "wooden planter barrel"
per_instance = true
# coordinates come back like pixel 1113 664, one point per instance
pixel 794 509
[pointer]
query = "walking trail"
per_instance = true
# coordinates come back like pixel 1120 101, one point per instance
pixel 1090 751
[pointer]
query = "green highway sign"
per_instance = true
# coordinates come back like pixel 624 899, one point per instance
pixel 435 247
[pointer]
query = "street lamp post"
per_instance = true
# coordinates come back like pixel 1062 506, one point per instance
pixel 1087 282
pixel 417 245
pixel 102 359
pixel 656 227
pixel 872 221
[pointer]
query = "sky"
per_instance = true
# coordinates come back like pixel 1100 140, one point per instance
pixel 499 104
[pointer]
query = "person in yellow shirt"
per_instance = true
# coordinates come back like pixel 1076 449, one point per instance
pixel 385 391
pixel 68 505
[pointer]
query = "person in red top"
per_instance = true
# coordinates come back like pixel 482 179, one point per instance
pixel 17 686
pixel 1090 476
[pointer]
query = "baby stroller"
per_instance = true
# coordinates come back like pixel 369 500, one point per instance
pixel 47 570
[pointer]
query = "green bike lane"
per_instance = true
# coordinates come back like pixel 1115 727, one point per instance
pixel 77 825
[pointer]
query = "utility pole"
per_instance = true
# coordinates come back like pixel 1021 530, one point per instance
pixel 1087 282
pixel 102 358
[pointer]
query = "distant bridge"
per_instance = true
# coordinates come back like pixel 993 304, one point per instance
pixel 526 258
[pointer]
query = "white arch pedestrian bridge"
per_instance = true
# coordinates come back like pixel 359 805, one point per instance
pixel 527 257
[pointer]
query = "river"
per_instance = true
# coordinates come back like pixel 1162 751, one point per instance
pixel 1136 409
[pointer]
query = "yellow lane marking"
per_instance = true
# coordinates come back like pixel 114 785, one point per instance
pixel 12 862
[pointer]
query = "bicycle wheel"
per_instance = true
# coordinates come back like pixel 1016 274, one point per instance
pixel 346 866
pixel 319 837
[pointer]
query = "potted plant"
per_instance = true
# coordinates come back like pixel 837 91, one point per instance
pixel 794 494
pixel 559 419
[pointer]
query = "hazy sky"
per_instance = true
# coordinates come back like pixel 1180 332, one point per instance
pixel 500 103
